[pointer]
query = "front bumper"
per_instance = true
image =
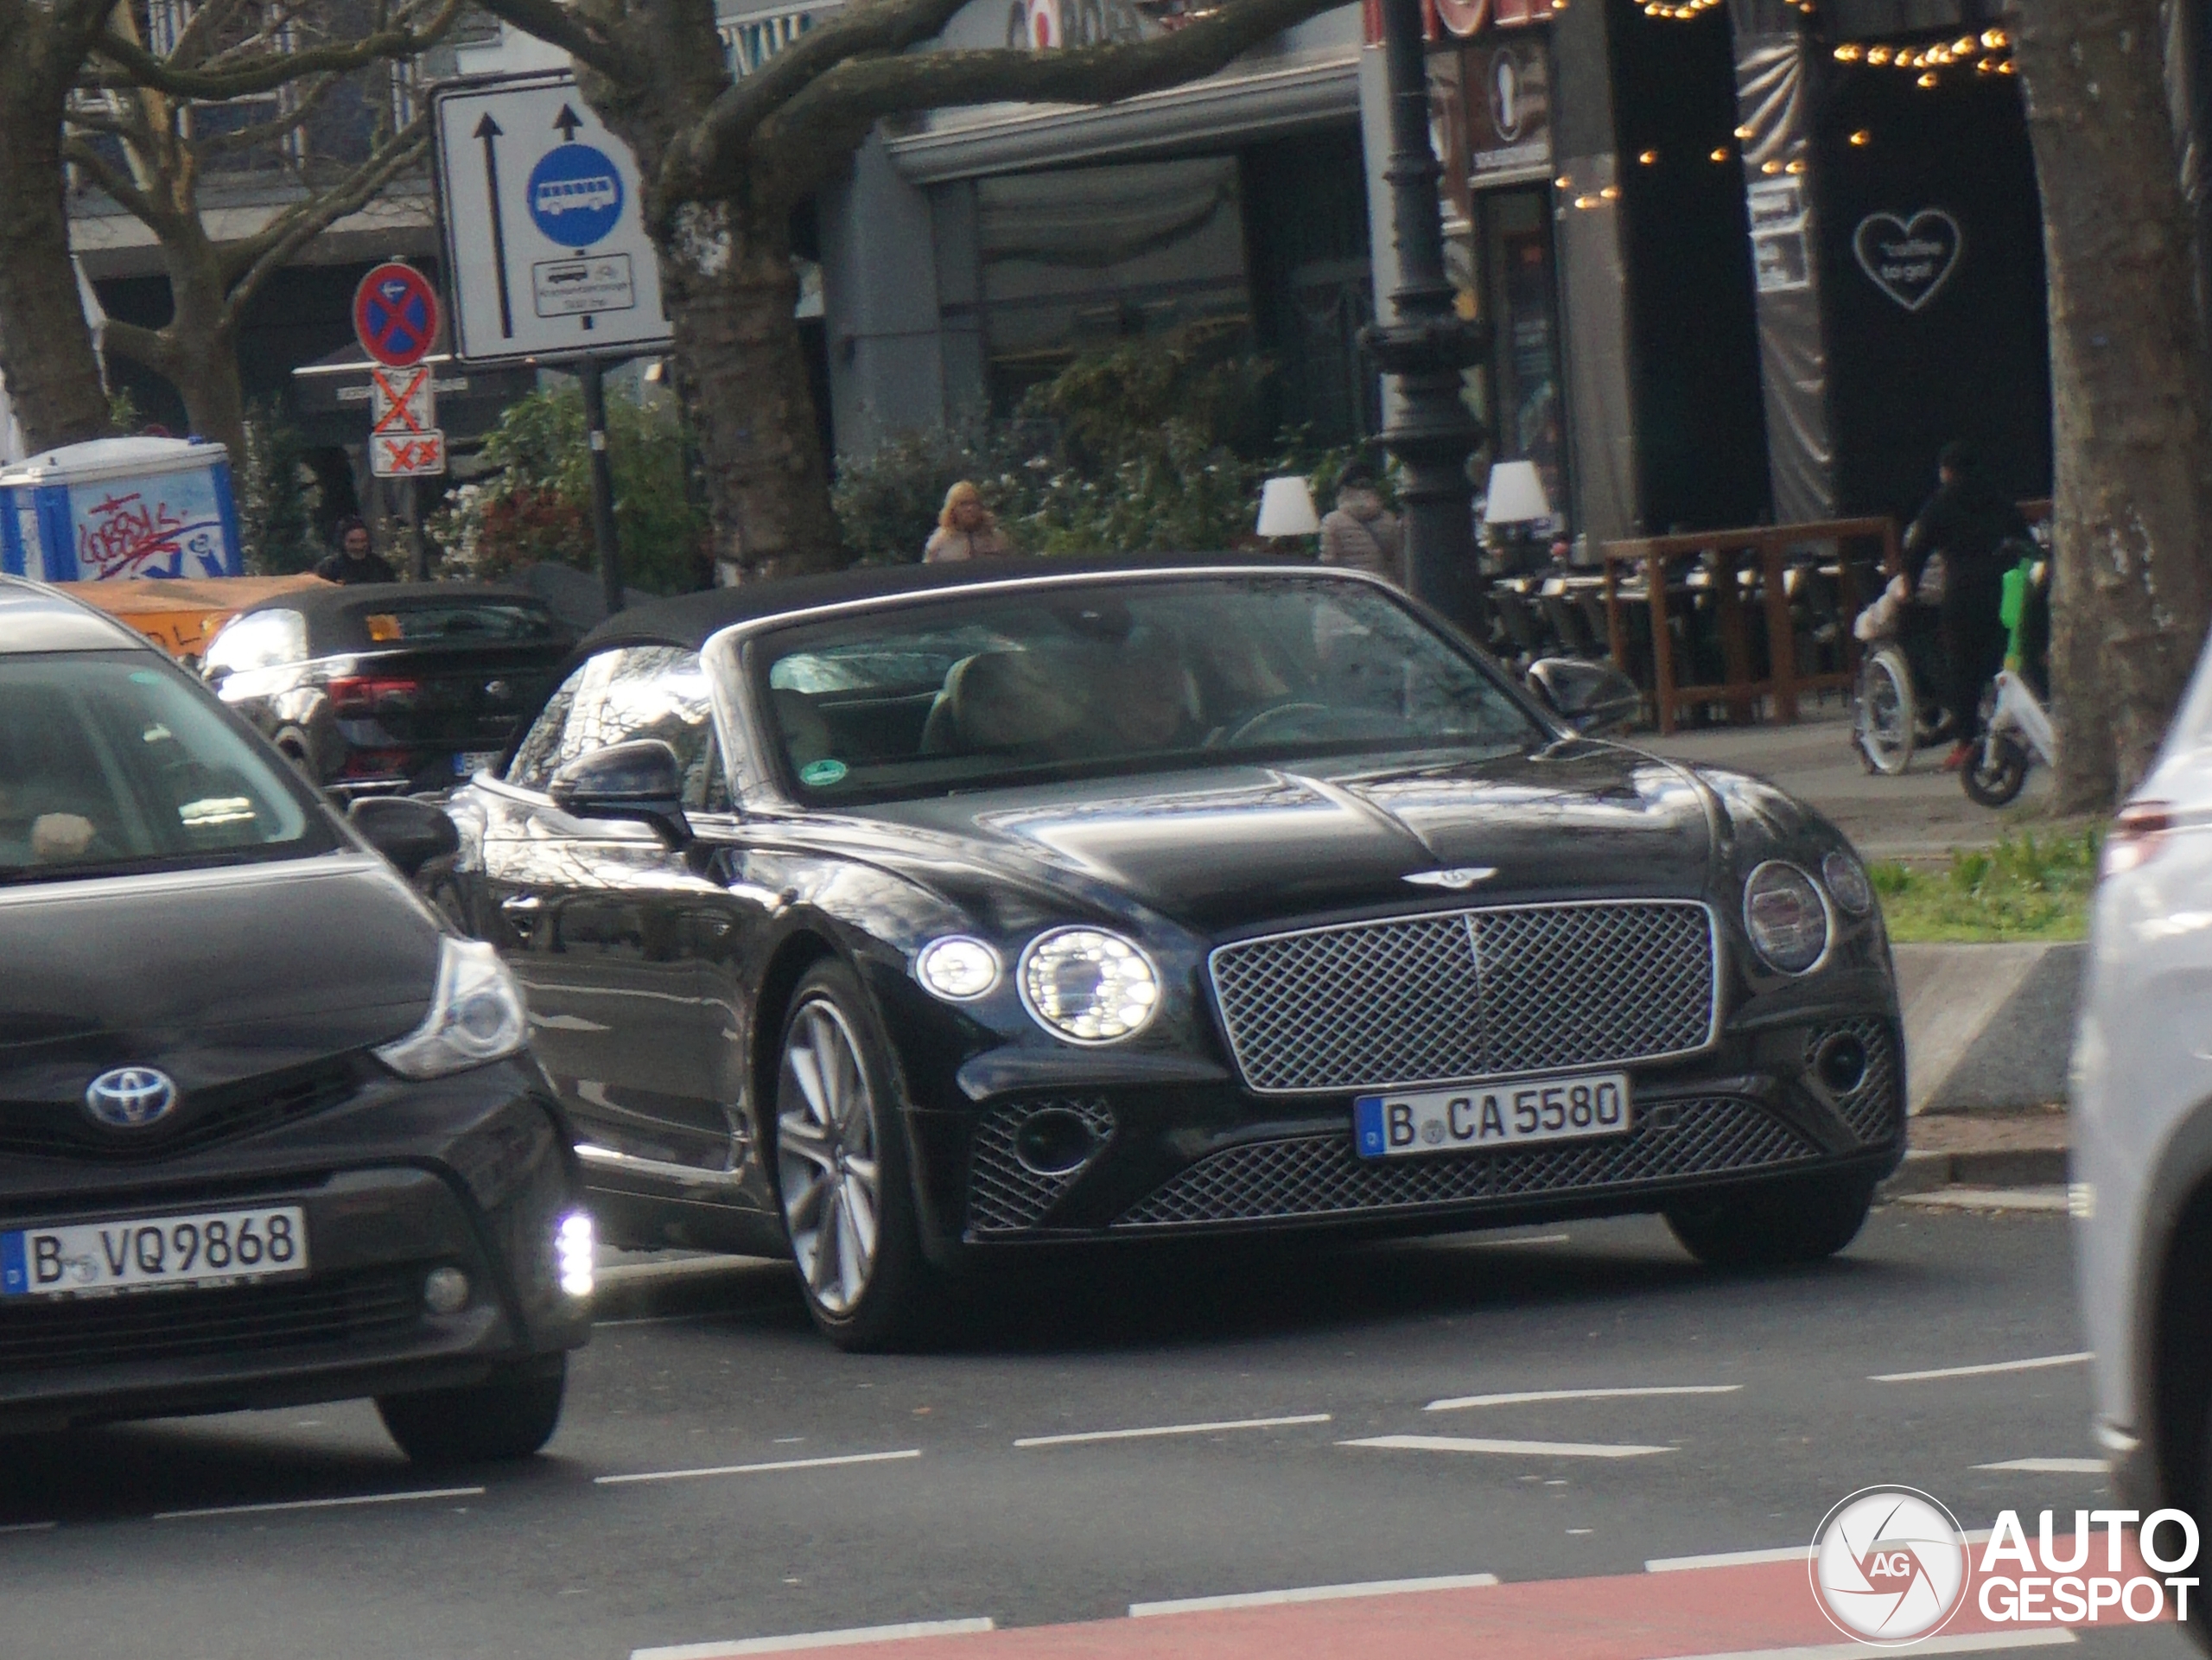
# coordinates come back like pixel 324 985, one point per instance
pixel 1209 1157
pixel 473 1172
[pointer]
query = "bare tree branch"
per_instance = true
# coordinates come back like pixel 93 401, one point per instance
pixel 277 127
pixel 153 348
pixel 119 188
pixel 582 38
pixel 205 26
pixel 135 67
pixel 888 26
pixel 250 262
pixel 821 124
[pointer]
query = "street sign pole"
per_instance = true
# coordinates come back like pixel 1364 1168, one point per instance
pixel 591 371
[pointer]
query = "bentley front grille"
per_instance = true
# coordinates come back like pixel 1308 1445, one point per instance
pixel 1320 1175
pixel 1455 996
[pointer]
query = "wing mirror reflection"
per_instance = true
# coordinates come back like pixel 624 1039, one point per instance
pixel 640 781
pixel 1594 698
pixel 409 833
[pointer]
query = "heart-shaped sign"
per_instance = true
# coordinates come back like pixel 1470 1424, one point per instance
pixel 1909 260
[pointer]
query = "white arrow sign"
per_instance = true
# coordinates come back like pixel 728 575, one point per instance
pixel 546 251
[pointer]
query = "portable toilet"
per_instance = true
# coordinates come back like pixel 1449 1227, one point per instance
pixel 120 507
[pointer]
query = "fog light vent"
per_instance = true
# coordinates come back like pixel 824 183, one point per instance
pixel 1025 1158
pixel 1856 1062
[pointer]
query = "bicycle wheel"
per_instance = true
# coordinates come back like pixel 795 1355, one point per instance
pixel 1994 775
pixel 1886 711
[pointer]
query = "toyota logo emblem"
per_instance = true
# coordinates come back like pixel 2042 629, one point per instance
pixel 130 1097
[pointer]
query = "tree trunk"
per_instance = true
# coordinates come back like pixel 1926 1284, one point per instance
pixel 195 351
pixel 731 292
pixel 46 349
pixel 2129 389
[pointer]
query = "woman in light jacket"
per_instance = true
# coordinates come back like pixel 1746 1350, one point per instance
pixel 966 529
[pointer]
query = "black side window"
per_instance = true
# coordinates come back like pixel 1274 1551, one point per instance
pixel 633 691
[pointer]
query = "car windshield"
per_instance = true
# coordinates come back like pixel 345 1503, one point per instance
pixel 978 689
pixel 116 762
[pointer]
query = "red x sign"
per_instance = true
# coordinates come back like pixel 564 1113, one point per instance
pixel 402 401
pixel 407 455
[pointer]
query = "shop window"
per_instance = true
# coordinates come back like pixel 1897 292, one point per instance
pixel 1082 258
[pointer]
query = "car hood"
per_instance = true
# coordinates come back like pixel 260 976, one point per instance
pixel 1235 847
pixel 212 975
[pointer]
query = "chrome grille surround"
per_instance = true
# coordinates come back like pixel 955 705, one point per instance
pixel 1457 996
pixel 1321 1175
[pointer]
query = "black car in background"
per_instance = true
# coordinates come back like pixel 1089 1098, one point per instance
pixel 268 1133
pixel 388 688
pixel 901 920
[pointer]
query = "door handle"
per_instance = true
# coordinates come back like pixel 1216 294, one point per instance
pixel 522 912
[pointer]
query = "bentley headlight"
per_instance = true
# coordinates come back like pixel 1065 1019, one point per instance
pixel 957 969
pixel 476 1016
pixel 1847 883
pixel 1785 916
pixel 1088 986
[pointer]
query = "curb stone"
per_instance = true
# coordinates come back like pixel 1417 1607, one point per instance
pixel 1988 1029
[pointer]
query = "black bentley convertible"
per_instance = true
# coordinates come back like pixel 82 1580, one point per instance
pixel 902 917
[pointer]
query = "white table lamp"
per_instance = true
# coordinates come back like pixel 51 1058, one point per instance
pixel 1286 508
pixel 1516 495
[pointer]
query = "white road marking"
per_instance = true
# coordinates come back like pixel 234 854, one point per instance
pixel 757 1469
pixel 2052 1466
pixel 1525 1239
pixel 1519 1449
pixel 1310 1593
pixel 1994 1367
pixel 1150 1431
pixel 1521 1397
pixel 2052 1200
pixel 320 1503
pixel 31 1526
pixel 844 1639
pixel 1726 1559
pixel 1970 1643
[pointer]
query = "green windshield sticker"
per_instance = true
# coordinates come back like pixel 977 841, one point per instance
pixel 144 677
pixel 819 772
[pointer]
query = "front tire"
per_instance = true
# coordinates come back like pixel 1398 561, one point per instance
pixel 512 1415
pixel 1888 712
pixel 1996 773
pixel 843 1173
pixel 1774 1226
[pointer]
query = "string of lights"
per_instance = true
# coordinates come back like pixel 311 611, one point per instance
pixel 1987 54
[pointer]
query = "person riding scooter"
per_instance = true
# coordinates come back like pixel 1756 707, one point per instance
pixel 1964 524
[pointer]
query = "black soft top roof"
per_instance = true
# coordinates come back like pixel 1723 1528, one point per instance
pixel 690 620
pixel 336 615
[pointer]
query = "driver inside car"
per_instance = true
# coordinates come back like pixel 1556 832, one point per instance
pixel 40 794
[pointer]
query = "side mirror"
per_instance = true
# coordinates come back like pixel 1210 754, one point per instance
pixel 409 833
pixel 640 781
pixel 1594 698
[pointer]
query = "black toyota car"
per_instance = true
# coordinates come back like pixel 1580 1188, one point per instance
pixel 901 918
pixel 386 687
pixel 268 1132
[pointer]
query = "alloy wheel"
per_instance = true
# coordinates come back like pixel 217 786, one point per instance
pixel 828 1163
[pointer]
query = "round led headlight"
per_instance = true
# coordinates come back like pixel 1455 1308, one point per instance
pixel 957 969
pixel 1087 986
pixel 1847 883
pixel 1785 916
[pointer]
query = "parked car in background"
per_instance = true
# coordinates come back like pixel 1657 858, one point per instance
pixel 908 918
pixel 180 615
pixel 388 688
pixel 268 1133
pixel 2142 1129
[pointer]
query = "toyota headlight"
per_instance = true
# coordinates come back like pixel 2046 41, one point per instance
pixel 1785 916
pixel 1088 986
pixel 476 1016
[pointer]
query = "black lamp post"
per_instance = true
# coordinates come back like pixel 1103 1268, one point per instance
pixel 1430 431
